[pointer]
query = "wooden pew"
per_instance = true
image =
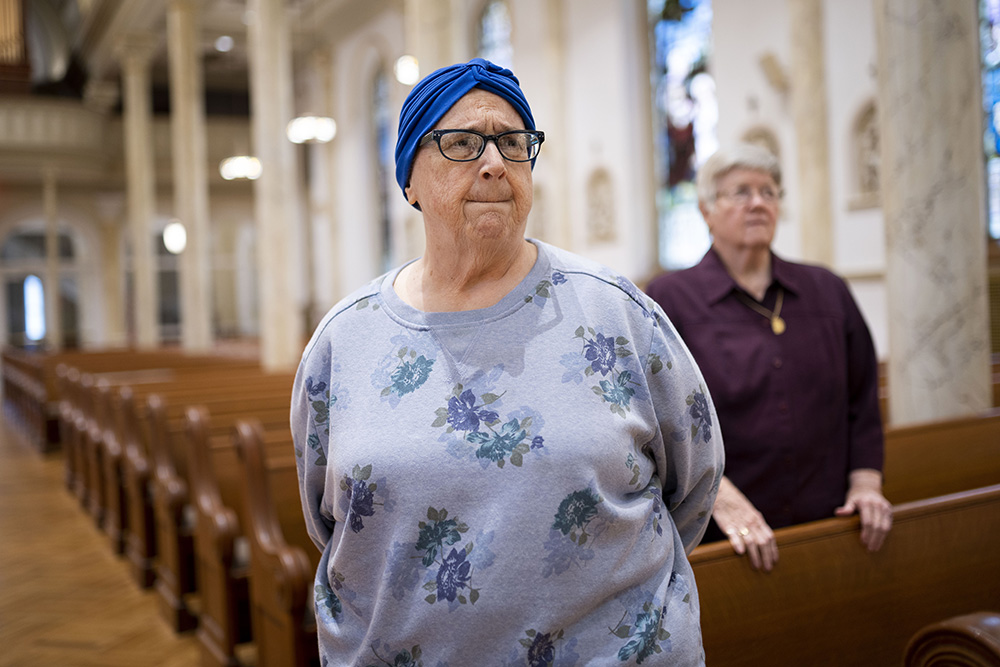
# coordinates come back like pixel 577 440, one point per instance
pixel 171 481
pixel 220 542
pixel 283 558
pixel 970 640
pixel 212 381
pixel 942 457
pixel 31 386
pixel 116 471
pixel 829 602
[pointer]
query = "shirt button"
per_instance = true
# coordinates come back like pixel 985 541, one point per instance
pixel 782 406
pixel 777 362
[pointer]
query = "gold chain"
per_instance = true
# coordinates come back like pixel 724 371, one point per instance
pixel 777 324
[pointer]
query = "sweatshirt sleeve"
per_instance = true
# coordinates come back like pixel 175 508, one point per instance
pixel 688 432
pixel 310 424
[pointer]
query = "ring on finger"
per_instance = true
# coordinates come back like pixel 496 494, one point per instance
pixel 744 531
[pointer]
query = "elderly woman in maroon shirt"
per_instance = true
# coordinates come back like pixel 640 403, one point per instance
pixel 790 364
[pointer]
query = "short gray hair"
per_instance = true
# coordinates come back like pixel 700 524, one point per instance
pixel 724 160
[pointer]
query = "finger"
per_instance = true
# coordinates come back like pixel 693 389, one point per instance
pixel 847 509
pixel 736 540
pixel 754 552
pixel 770 553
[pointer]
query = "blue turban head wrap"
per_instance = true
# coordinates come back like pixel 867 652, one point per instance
pixel 438 91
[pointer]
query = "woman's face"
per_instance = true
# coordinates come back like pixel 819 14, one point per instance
pixel 742 225
pixel 486 199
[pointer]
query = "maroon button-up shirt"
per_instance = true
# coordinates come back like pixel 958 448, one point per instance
pixel 798 411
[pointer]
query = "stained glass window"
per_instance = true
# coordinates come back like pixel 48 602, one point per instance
pixel 989 40
pixel 494 34
pixel 686 116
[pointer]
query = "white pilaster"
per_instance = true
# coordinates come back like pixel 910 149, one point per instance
pixel 52 289
pixel 809 108
pixel 933 200
pixel 187 121
pixel 136 52
pixel 281 322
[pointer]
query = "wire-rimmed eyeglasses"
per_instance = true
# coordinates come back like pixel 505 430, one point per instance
pixel 468 145
pixel 744 193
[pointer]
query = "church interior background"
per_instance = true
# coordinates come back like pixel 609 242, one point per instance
pixel 151 192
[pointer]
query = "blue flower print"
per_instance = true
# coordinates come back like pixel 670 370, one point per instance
pixel 403 575
pixel 453 575
pixel 497 447
pixel 361 503
pixel 436 535
pixel 646 637
pixel 575 511
pixel 315 445
pixel 401 658
pixel 701 416
pixel 359 496
pixel 601 352
pixel 455 569
pixel 409 375
pixel 575 364
pixel 577 524
pixel 605 353
pixel 537 442
pixel 542 651
pixel 618 392
pixel 561 553
pixel 464 415
pixel 314 388
pixel 405 370
pixel 558 278
pixel 328 601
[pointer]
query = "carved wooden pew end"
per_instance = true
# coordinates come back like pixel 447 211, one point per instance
pixel 283 559
pixel 971 640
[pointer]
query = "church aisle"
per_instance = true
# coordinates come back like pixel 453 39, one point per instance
pixel 65 598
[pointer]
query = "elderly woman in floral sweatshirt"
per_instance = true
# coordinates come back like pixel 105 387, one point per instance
pixel 505 451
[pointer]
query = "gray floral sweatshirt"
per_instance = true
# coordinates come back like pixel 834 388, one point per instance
pixel 517 485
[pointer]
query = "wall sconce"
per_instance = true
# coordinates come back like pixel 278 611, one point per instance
pixel 309 129
pixel 175 237
pixel 407 70
pixel 240 166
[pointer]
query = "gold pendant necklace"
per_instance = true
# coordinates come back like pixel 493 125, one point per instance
pixel 777 323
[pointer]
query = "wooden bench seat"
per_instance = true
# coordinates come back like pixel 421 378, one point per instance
pixel 220 541
pixel 31 384
pixel 114 474
pixel 283 558
pixel 942 457
pixel 171 480
pixel 830 602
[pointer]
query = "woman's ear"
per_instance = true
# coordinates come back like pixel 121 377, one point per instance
pixel 411 198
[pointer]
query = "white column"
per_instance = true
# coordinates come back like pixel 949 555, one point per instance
pixel 52 291
pixel 187 122
pixel 281 327
pixel 808 75
pixel 429 33
pixel 110 228
pixel 136 52
pixel 934 206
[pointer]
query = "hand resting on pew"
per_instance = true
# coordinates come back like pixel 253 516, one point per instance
pixel 865 498
pixel 749 533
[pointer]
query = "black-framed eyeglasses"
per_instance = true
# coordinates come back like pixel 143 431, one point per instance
pixel 468 145
pixel 744 193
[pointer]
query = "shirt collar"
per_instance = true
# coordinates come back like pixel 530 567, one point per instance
pixel 719 284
